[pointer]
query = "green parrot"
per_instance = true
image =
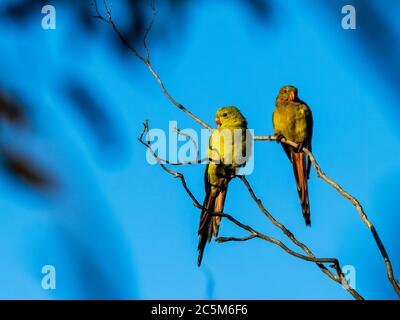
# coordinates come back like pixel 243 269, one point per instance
pixel 227 152
pixel 292 119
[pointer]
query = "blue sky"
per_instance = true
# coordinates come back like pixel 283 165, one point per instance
pixel 121 228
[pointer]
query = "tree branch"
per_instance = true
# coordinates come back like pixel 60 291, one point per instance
pixel 352 200
pixel 165 161
pixel 339 278
pixel 146 60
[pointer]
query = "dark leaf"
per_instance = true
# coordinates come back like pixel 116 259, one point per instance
pixel 21 167
pixel 11 111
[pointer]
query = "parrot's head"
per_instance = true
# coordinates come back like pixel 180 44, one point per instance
pixel 287 93
pixel 230 117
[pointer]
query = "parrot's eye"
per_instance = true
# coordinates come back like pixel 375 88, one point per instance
pixel 285 91
pixel 224 115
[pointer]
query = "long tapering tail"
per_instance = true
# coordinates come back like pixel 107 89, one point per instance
pixel 209 224
pixel 301 175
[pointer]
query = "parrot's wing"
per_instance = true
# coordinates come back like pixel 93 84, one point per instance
pixel 277 123
pixel 216 147
pixel 310 124
pixel 207 185
pixel 204 230
pixel 213 202
pixel 206 204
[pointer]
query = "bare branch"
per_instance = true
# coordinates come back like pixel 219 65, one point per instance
pixel 253 233
pixel 160 160
pixel 146 60
pixel 148 30
pixel 364 218
pixel 352 200
pixel 228 239
pixel 108 19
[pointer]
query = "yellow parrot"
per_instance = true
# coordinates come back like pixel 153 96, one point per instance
pixel 292 119
pixel 227 152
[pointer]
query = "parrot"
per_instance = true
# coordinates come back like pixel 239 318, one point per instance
pixel 292 119
pixel 227 144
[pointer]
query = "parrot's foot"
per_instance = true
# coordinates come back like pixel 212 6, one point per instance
pixel 300 147
pixel 279 138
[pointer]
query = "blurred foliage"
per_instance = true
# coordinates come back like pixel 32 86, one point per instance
pixel 11 111
pixel 138 13
pixel 21 168
pixel 17 165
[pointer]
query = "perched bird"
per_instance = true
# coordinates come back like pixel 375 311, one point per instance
pixel 292 119
pixel 227 152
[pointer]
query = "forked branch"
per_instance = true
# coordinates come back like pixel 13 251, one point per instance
pixel 107 18
pixel 353 201
pixel 334 263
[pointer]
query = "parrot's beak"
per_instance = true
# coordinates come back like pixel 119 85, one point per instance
pixel 217 121
pixel 291 96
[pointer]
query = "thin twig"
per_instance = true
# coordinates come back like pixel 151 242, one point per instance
pixel 196 160
pixel 165 161
pixel 148 30
pixel 146 61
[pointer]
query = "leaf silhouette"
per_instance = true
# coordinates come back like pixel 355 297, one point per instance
pixel 21 168
pixel 11 111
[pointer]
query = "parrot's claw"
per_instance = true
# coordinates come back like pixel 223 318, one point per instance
pixel 279 137
pixel 300 147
